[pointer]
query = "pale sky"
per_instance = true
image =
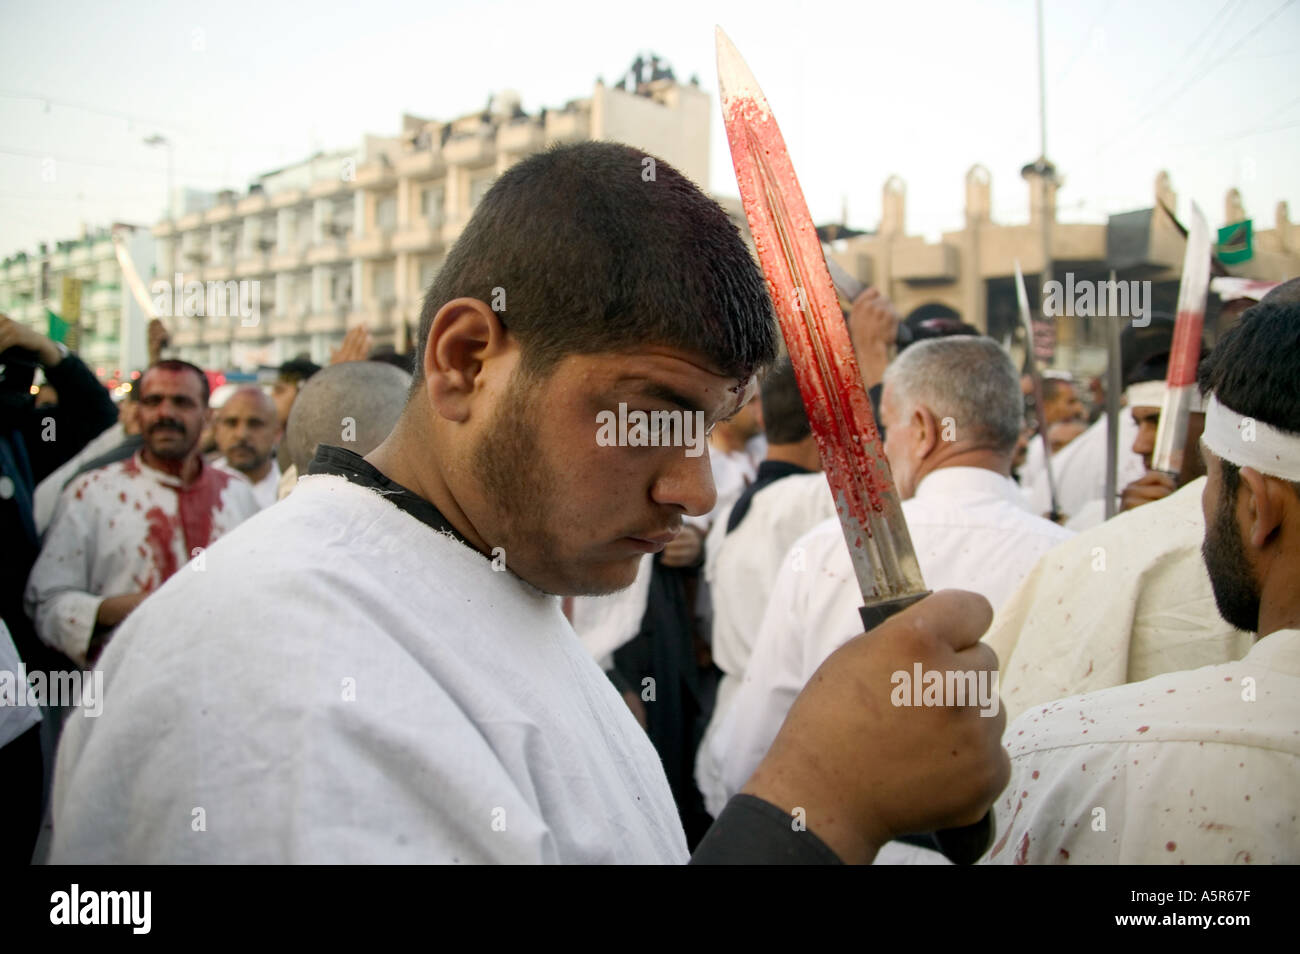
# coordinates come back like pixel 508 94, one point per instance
pixel 1207 89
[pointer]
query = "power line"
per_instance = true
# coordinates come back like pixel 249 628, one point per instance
pixel 116 114
pixel 1198 76
pixel 1087 34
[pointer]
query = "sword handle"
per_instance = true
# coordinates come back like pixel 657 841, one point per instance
pixel 961 846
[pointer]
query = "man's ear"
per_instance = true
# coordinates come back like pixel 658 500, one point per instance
pixel 464 334
pixel 927 430
pixel 1263 506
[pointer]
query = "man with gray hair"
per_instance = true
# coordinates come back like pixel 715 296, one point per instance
pixel 951 410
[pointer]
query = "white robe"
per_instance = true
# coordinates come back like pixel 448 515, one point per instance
pixel 346 684
pixel 266 491
pixel 49 490
pixel 1080 468
pixel 15 719
pixel 969 530
pixel 124 528
pixel 1197 767
pixel 741 568
pixel 1123 602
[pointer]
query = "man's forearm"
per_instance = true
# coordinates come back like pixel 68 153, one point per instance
pixel 113 609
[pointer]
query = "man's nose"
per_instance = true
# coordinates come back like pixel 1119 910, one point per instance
pixel 687 482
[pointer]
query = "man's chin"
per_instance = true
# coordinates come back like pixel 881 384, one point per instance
pixel 601 580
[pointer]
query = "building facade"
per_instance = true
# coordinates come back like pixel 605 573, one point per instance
pixel 110 333
pixel 355 237
pixel 971 272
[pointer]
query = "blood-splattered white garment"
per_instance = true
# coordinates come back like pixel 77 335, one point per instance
pixel 1196 767
pixel 124 528
pixel 1125 601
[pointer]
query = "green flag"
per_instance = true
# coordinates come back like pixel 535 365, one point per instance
pixel 1236 243
pixel 62 331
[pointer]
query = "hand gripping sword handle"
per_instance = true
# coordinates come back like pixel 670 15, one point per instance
pixel 961 846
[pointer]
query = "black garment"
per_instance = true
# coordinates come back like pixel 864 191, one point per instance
pixel 752 832
pixel 34 442
pixel 664 651
pixel 21 807
pixel 344 463
pixel 769 472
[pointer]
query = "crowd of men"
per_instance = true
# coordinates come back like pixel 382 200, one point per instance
pixel 422 614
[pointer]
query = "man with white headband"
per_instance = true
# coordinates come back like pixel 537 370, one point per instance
pixel 1199 766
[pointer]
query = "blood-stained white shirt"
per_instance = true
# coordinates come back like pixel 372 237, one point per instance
pixel 970 531
pixel 1123 602
pixel 125 528
pixel 1195 767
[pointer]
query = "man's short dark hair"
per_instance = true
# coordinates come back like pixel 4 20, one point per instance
pixel 1254 369
pixel 587 254
pixel 175 365
pixel 298 370
pixel 784 419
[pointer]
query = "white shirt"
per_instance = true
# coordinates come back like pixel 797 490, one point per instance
pixel 1126 601
pixel 969 530
pixel 740 569
pixel 15 719
pixel 49 489
pixel 1201 767
pixel 265 491
pixel 125 528
pixel 1080 467
pixel 346 684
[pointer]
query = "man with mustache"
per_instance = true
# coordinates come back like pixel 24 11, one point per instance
pixel 246 431
pixel 120 532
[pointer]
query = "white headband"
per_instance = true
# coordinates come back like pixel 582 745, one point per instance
pixel 1152 394
pixel 1247 442
pixel 1146 394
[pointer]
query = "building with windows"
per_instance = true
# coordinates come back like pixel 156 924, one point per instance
pixel 355 237
pixel 108 326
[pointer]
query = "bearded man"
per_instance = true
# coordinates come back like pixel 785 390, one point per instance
pixel 379 663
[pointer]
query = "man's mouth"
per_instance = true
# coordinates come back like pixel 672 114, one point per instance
pixel 654 542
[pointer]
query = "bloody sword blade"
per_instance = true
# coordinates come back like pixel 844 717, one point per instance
pixel 1031 363
pixel 1185 353
pixel 817 340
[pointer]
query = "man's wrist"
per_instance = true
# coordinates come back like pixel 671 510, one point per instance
pixel 834 823
pixel 51 353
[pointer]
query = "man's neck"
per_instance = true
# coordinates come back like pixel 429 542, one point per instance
pixel 258 474
pixel 186 468
pixel 803 454
pixel 399 458
pixel 1279 596
pixel 983 458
